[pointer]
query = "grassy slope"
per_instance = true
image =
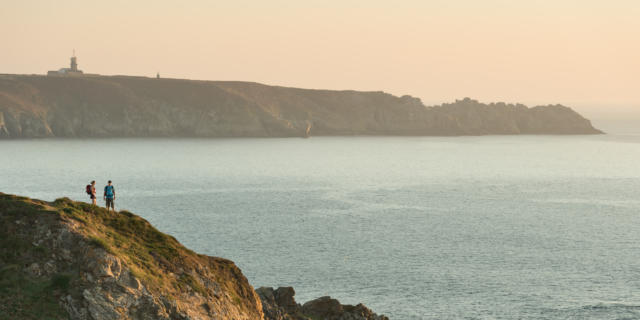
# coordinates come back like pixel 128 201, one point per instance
pixel 22 296
pixel 158 260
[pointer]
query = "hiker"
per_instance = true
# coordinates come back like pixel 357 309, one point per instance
pixel 110 195
pixel 91 191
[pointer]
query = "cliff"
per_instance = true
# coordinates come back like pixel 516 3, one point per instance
pixel 73 260
pixel 65 259
pixel 120 106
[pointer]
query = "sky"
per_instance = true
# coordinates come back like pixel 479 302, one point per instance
pixel 581 53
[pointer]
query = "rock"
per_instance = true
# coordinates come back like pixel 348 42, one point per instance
pixel 280 304
pixel 284 297
pixel 34 269
pixel 324 308
pixel 270 308
pixel 50 267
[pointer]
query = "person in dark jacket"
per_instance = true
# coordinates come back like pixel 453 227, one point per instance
pixel 110 195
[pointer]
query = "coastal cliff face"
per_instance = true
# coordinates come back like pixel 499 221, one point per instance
pixel 73 260
pixel 119 106
pixel 70 260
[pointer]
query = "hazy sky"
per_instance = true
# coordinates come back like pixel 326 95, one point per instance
pixel 583 53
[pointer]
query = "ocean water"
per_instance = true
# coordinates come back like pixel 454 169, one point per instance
pixel 495 227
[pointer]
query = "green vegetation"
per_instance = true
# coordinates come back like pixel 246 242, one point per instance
pixel 124 234
pixel 23 297
pixel 11 248
pixel 187 279
pixel 100 243
pixel 236 300
pixel 60 282
pixel 129 236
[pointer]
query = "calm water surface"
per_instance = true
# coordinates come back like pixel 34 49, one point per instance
pixel 529 227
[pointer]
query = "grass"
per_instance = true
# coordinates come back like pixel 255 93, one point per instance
pixel 187 279
pixel 60 282
pixel 236 299
pixel 11 249
pixel 23 297
pixel 100 243
pixel 147 250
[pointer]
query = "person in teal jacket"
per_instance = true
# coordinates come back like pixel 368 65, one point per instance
pixel 110 195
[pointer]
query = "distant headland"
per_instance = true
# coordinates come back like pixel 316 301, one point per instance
pixel 72 104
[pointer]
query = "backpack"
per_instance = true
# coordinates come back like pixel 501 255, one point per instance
pixel 89 190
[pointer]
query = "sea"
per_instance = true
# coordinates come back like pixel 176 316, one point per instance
pixel 486 227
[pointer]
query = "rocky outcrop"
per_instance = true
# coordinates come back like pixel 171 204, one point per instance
pixel 119 106
pixel 70 260
pixel 279 304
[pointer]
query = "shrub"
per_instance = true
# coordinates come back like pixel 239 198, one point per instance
pixel 60 282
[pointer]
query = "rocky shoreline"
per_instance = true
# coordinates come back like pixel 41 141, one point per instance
pixel 280 304
pixel 71 260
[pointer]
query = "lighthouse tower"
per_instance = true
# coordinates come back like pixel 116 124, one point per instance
pixel 74 62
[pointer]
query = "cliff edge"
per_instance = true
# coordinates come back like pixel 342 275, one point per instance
pixel 122 106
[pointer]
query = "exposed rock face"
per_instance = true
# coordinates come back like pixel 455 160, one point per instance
pixel 69 260
pixel 39 106
pixel 279 304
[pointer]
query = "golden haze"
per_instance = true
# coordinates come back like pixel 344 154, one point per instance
pixel 584 54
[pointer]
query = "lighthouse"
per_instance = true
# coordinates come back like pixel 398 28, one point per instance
pixel 72 71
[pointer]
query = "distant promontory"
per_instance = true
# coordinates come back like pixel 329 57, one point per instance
pixel 33 106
